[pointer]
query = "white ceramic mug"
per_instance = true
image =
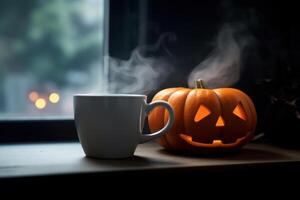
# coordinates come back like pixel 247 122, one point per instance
pixel 110 126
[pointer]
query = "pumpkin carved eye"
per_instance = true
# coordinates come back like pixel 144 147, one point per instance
pixel 240 112
pixel 201 113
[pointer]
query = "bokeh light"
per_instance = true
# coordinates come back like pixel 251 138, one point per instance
pixel 40 103
pixel 54 97
pixel 33 96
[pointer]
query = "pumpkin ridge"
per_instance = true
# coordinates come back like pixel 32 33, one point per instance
pixel 168 136
pixel 183 113
pixel 164 137
pixel 184 126
pixel 221 110
pixel 153 126
pixel 221 105
pixel 252 109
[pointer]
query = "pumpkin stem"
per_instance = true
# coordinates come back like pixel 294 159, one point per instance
pixel 199 83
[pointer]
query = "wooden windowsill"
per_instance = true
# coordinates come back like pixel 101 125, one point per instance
pixel 29 160
pixel 64 161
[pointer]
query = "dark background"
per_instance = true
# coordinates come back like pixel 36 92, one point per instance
pixel 270 74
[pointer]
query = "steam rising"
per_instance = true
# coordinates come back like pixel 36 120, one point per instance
pixel 223 66
pixel 141 73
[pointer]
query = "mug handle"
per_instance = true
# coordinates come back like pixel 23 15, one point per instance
pixel 147 137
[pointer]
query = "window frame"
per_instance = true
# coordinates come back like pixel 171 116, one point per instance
pixel 16 131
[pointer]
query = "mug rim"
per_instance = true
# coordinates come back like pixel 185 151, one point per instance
pixel 108 95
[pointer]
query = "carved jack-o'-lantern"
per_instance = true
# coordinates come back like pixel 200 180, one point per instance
pixel 205 120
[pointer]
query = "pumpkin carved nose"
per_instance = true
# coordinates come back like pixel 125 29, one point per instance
pixel 220 122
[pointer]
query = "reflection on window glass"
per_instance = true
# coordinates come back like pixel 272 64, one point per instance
pixel 49 50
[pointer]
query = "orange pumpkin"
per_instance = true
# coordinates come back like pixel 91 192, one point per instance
pixel 206 120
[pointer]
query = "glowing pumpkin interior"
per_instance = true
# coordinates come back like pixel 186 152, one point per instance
pixel 239 112
pixel 201 113
pixel 204 112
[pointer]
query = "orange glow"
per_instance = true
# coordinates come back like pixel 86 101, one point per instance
pixel 33 96
pixel 220 122
pixel 201 113
pixel 239 112
pixel 186 137
pixel 214 144
pixel 54 97
pixel 190 139
pixel 217 142
pixel 40 103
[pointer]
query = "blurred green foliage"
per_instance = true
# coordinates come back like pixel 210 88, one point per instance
pixel 49 37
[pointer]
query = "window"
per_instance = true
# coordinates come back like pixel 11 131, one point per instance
pixel 49 50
